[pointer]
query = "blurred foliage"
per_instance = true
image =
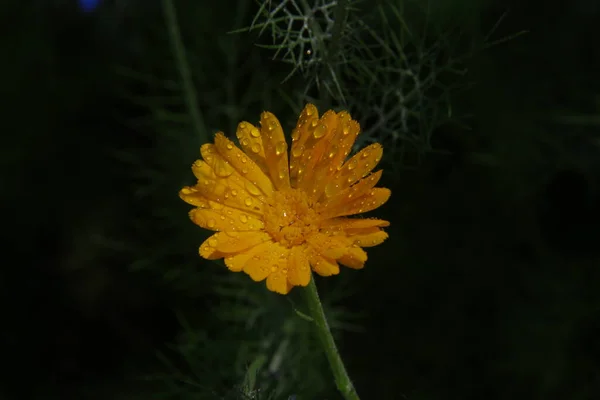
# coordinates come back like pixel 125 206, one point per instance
pixel 486 289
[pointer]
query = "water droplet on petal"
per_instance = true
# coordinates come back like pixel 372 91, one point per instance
pixel 245 142
pixel 346 130
pixel 229 146
pixel 254 132
pixel 256 148
pixel 248 201
pixel 295 134
pixel 243 218
pixel 244 160
pixel 352 164
pixel 320 131
pixel 234 192
pixel 273 268
pixel 280 148
pixel 314 123
pixel 223 168
pixel 309 111
pixel 252 189
pixel 213 242
pixel 211 223
pixel 297 151
pixel 244 170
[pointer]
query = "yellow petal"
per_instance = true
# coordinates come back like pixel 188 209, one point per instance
pixel 245 166
pixel 324 266
pixel 334 197
pixel 226 219
pixel 370 201
pixel 275 148
pixel 277 282
pixel 236 262
pixel 225 243
pixel 266 261
pixel 298 267
pixel 328 246
pixel 192 196
pixel 354 258
pixel 356 168
pixel 232 191
pixel 369 237
pixel 250 139
pixel 308 117
pixel 346 224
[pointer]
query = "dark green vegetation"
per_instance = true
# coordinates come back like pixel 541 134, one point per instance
pixel 486 289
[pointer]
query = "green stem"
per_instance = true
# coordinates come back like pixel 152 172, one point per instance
pixel 178 48
pixel 342 380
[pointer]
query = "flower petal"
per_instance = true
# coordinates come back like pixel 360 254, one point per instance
pixel 356 168
pixel 369 237
pixel 245 166
pixel 269 259
pixel 249 137
pixel 353 223
pixel 298 267
pixel 355 258
pixel 277 282
pixel 236 262
pixel 232 191
pixel 275 148
pixel 324 266
pixel 367 202
pixel 223 243
pixel 225 219
pixel 328 246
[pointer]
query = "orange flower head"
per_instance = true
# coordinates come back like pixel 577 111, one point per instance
pixel 279 215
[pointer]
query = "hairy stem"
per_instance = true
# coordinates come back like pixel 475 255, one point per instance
pixel 342 380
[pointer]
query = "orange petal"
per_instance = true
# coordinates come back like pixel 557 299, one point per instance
pixel 356 168
pixel 328 246
pixel 192 196
pixel 333 197
pixel 236 262
pixel 275 148
pixel 277 282
pixel 250 139
pixel 354 258
pixel 226 219
pixel 369 237
pixel 308 117
pixel 233 191
pixel 353 223
pixel 223 243
pixel 374 199
pixel 324 266
pixel 245 166
pixel 266 261
pixel 298 267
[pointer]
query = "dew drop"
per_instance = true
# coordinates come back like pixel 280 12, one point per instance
pixel 234 192
pixel 248 201
pixel 211 223
pixel 314 123
pixel 365 154
pixel 229 146
pixel 273 268
pixel 309 111
pixel 346 130
pixel 244 170
pixel 280 148
pixel 252 189
pixel 223 168
pixel 245 142
pixel 320 131
pixel 244 160
pixel 295 134
pixel 352 165
pixel 243 218
pixel 222 218
pixel 213 242
pixel 242 125
pixel 297 151
pixel 254 132
pixel 255 148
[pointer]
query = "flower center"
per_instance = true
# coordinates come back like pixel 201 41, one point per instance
pixel 289 217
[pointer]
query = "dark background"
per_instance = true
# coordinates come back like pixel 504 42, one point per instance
pixel 486 289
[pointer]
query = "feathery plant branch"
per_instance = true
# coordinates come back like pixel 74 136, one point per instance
pixel 184 69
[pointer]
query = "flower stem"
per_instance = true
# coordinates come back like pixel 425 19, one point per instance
pixel 342 380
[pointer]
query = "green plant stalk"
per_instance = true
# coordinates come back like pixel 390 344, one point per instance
pixel 178 49
pixel 342 380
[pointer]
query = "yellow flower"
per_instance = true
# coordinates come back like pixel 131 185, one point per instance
pixel 277 219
